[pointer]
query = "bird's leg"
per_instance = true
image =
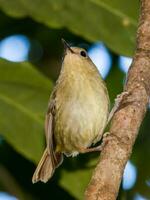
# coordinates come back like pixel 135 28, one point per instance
pixel 92 149
pixel 118 100
pixel 98 148
pixel 105 138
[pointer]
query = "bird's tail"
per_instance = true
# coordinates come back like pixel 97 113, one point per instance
pixel 46 167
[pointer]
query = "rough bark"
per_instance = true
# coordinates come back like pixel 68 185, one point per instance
pixel 106 179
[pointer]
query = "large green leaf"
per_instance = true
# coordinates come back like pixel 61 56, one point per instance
pixel 76 181
pixel 76 174
pixel 24 94
pixel 113 22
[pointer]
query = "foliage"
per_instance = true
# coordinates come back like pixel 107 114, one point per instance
pixel 25 88
pixel 23 98
pixel 98 13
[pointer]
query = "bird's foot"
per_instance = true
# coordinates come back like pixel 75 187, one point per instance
pixel 105 138
pixel 92 149
pixel 98 148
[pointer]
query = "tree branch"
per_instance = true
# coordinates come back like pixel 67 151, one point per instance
pixel 105 182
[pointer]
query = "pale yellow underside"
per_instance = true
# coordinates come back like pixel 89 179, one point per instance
pixel 82 106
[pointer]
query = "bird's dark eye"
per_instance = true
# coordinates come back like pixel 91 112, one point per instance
pixel 83 53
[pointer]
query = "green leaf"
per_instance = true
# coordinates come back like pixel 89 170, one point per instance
pixel 17 11
pixel 24 93
pixel 7 179
pixel 75 182
pixel 77 174
pixel 114 22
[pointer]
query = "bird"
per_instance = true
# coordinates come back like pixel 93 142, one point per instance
pixel 77 113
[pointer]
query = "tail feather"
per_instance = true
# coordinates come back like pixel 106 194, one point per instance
pixel 46 167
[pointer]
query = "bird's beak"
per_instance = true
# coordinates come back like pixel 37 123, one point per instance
pixel 66 46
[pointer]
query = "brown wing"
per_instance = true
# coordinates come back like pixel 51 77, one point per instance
pixel 49 132
pixel 49 136
pixel 50 159
pixel 49 122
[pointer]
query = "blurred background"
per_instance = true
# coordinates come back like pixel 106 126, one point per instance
pixel 30 60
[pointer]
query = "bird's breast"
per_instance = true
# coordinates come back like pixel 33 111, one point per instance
pixel 81 114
